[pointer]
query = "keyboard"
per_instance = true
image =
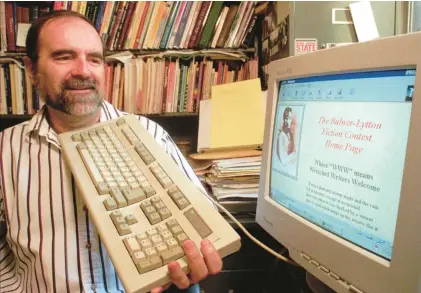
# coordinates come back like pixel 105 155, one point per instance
pixel 142 204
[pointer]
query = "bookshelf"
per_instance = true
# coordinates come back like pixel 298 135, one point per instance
pixel 193 44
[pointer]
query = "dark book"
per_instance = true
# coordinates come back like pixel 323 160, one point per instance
pixel 100 14
pixel 226 28
pixel 7 87
pixel 249 38
pixel 33 13
pixel 120 26
pixel 127 23
pixel 210 24
pixel 183 23
pixel 24 93
pixel 199 24
pixel 112 31
pixel 10 26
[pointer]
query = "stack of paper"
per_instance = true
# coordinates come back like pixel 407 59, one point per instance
pixel 235 179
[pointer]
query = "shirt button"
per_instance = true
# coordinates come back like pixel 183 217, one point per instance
pixel 88 246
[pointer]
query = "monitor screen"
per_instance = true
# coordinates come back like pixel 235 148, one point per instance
pixel 338 152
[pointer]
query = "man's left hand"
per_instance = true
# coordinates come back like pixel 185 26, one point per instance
pixel 200 266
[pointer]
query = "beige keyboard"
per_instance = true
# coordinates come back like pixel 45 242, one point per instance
pixel 143 206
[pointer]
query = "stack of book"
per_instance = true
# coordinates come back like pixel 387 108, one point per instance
pixel 235 179
pixel 141 25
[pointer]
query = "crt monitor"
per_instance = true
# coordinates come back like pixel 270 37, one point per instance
pixel 341 176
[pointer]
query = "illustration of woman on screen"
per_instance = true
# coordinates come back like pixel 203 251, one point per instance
pixel 285 148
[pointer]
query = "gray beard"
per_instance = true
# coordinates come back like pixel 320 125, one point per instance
pixel 68 103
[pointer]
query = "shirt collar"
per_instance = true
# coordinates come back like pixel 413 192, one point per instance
pixel 39 126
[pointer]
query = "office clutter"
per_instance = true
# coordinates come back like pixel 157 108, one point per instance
pixel 232 177
pixel 235 179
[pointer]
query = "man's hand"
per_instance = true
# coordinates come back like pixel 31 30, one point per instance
pixel 200 267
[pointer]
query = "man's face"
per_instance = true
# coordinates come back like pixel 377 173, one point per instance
pixel 70 69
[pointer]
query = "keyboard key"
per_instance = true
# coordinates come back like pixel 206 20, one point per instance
pixel 156 239
pixel 159 205
pixel 166 235
pixel 161 228
pixel 198 223
pixel 133 195
pixel 132 245
pixel 164 213
pixel 115 214
pixel 145 243
pixel 151 232
pixel 123 229
pixel 130 219
pixel 176 230
pixel 89 164
pixel 161 248
pixel 85 136
pixel 144 154
pixel 154 218
pixel 120 122
pixel 181 238
pixel 149 210
pixel 171 223
pixel 149 191
pixel 102 188
pixel 155 199
pixel 118 197
pixel 177 195
pixel 110 203
pixel 141 236
pixel 138 256
pixel 172 189
pixel 182 203
pixel 171 243
pixel 148 264
pixel 76 137
pixel 172 254
pixel 150 252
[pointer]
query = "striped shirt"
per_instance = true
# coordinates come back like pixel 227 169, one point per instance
pixel 47 240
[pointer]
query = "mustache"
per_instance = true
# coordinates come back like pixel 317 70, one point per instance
pixel 77 83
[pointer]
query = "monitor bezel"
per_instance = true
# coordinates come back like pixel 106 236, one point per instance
pixel 354 265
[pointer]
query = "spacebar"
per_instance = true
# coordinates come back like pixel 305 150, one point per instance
pixel 89 164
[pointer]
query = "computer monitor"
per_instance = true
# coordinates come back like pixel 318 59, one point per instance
pixel 341 179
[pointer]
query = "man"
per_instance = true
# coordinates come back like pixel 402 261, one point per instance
pixel 47 241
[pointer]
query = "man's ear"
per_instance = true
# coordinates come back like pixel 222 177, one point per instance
pixel 30 69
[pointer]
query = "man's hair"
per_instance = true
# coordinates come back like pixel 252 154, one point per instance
pixel 32 39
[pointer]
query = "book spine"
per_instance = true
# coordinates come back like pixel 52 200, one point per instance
pixel 169 25
pixel 10 27
pixel 199 23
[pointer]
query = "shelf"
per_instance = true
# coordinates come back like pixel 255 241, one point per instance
pixel 220 53
pixel 176 114
pixel 17 117
pixel 165 115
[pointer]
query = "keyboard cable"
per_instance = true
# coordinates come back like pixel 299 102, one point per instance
pixel 255 240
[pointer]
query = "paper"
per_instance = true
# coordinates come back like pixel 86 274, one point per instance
pixel 203 140
pixel 364 22
pixel 237 118
pixel 23 29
